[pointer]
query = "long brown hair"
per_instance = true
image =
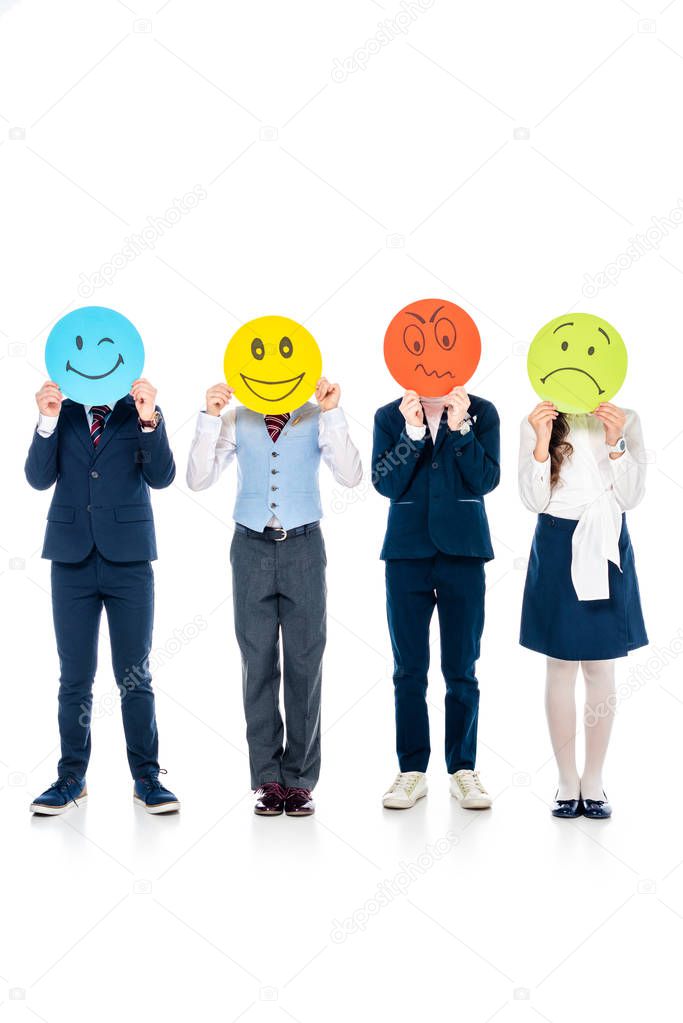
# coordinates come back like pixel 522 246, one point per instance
pixel 559 447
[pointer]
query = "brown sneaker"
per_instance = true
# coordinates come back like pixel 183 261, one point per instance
pixel 299 803
pixel 271 800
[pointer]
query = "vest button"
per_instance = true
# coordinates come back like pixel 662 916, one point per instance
pixel 274 472
pixel 273 504
pixel 274 454
pixel 94 475
pixel 274 488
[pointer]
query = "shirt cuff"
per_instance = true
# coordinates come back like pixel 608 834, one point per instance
pixel 46 425
pixel 416 432
pixel 334 418
pixel 208 424
pixel 539 469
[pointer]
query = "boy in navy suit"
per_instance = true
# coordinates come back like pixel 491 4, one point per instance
pixel 100 539
pixel 435 458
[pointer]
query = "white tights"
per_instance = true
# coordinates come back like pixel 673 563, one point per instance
pixel 560 705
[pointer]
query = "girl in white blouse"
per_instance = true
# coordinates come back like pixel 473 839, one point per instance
pixel 581 599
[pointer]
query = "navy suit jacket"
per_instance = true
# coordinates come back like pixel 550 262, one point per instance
pixel 437 489
pixel 101 497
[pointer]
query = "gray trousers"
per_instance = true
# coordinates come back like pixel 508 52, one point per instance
pixel 279 591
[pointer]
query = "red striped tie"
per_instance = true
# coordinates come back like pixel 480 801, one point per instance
pixel 275 424
pixel 99 413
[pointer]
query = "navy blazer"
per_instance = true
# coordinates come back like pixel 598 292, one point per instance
pixel 437 489
pixel 102 494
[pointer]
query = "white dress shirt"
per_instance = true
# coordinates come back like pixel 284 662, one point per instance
pixel 48 424
pixel 214 445
pixel 593 489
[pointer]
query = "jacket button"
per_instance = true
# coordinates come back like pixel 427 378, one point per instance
pixel 88 508
pixel 435 465
pixel 458 454
pixel 95 475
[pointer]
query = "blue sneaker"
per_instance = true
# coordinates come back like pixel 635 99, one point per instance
pixel 61 796
pixel 151 795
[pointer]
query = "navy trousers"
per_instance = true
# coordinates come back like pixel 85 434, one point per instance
pixel 126 591
pixel 456 587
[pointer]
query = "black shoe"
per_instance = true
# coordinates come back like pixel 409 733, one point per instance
pixel 597 809
pixel 567 808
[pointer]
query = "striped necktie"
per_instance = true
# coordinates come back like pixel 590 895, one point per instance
pixel 276 424
pixel 99 413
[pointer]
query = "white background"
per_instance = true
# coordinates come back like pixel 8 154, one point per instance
pixel 491 153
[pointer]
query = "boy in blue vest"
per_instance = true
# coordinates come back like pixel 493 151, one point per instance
pixel 100 540
pixel 278 566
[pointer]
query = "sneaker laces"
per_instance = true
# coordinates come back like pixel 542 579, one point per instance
pixel 470 784
pixel 405 781
pixel 63 784
pixel 151 780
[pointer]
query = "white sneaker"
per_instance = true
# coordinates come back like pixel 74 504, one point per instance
pixel 408 787
pixel 469 791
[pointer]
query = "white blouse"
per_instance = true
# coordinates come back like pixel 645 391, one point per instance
pixel 593 489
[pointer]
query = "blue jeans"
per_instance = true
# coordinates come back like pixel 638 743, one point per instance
pixel 456 587
pixel 126 591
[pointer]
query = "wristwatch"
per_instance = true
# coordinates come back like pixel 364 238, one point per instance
pixel 465 426
pixel 618 448
pixel 151 424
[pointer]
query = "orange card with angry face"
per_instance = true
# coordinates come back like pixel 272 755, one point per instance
pixel 432 346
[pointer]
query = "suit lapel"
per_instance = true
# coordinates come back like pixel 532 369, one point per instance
pixel 120 413
pixel 78 420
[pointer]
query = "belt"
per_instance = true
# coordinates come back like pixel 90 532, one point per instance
pixel 277 534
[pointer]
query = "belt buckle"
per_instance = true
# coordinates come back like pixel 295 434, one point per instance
pixel 279 539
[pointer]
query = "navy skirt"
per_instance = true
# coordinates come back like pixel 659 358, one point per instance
pixel 556 623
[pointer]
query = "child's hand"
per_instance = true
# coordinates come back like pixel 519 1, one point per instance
pixel 411 409
pixel 614 421
pixel 327 394
pixel 145 397
pixel 542 419
pixel 49 399
pixel 218 397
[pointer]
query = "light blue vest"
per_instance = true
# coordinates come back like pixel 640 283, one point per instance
pixel 277 479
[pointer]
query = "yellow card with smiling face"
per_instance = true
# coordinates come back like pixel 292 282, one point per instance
pixel 273 364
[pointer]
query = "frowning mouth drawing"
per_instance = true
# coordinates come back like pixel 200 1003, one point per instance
pixel 573 369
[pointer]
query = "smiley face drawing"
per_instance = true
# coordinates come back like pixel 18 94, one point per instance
pixel 273 364
pixel 577 361
pixel 94 354
pixel 432 346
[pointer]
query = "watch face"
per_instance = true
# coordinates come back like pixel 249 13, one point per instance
pixel 622 444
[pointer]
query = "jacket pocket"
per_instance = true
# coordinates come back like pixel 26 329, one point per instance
pixel 133 513
pixel 61 513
